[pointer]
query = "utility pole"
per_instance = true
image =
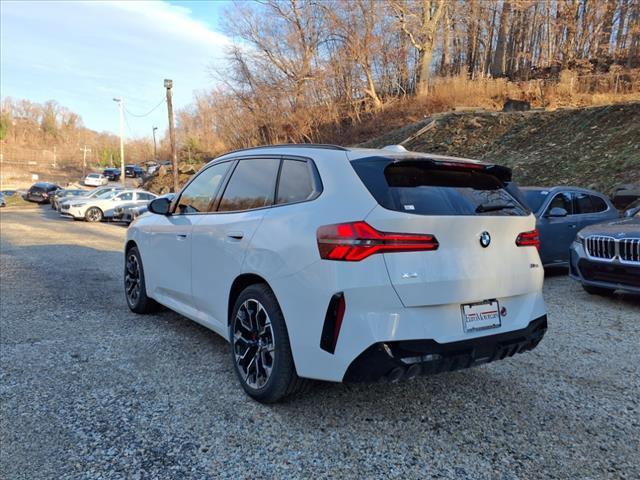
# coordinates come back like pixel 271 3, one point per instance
pixel 155 149
pixel 84 150
pixel 120 102
pixel 168 84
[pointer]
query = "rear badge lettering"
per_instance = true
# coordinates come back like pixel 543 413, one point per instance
pixel 406 276
pixel 409 207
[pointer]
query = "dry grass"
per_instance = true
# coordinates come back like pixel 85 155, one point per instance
pixel 459 93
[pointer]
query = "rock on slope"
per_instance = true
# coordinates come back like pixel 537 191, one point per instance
pixel 597 147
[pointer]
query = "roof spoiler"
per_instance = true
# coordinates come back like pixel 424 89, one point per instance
pixel 504 174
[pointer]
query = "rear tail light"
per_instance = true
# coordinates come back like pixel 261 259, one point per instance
pixel 355 241
pixel 529 239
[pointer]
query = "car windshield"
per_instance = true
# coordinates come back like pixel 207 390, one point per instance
pixel 535 198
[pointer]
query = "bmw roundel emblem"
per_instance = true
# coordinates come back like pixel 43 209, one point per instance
pixel 485 239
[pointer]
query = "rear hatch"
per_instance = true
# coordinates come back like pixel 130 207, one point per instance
pixel 475 220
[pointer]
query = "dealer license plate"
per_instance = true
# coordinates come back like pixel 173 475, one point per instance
pixel 481 316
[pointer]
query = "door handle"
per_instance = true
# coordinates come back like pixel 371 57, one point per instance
pixel 181 236
pixel 235 235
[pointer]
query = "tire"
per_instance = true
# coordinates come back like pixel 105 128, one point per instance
pixel 602 291
pixel 93 214
pixel 135 290
pixel 259 338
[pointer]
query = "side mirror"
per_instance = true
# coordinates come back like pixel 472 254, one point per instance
pixel 160 206
pixel 631 212
pixel 557 212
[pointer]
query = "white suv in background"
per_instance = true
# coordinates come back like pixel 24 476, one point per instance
pixel 341 264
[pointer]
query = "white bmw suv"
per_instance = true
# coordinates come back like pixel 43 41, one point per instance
pixel 339 264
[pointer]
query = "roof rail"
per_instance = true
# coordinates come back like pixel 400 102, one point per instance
pixel 325 146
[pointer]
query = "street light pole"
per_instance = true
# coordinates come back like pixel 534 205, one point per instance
pixel 168 84
pixel 155 149
pixel 123 176
pixel 84 150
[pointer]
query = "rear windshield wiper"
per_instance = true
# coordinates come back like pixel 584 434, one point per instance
pixel 493 207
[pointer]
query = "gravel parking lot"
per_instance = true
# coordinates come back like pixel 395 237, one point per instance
pixel 90 390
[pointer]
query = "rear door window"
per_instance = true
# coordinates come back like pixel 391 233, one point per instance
pixel 585 203
pixel 127 196
pixel 426 188
pixel 252 185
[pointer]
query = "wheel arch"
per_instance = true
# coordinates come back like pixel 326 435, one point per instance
pixel 129 245
pixel 239 284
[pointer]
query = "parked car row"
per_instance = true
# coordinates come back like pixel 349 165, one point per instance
pixel 102 203
pixel 112 202
pixel 112 174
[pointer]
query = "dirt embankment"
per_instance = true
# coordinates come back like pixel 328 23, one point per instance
pixel 597 147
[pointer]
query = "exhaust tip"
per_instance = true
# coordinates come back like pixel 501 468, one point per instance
pixel 395 375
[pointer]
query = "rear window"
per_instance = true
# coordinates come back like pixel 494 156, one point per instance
pixel 423 188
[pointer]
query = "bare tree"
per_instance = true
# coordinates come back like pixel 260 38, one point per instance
pixel 419 20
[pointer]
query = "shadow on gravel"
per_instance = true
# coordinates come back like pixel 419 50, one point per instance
pixel 550 272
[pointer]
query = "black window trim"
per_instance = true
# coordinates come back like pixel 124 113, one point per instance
pixel 215 203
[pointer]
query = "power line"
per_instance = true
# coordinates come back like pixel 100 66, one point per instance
pixel 126 120
pixel 149 112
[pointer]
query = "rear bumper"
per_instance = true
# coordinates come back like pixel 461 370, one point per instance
pixel 406 359
pixel 374 315
pixel 606 274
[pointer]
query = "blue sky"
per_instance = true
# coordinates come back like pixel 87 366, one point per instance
pixel 84 53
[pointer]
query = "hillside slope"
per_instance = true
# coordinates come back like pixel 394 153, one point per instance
pixel 597 147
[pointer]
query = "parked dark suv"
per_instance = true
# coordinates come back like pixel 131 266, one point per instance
pixel 40 192
pixel 133 171
pixel 112 174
